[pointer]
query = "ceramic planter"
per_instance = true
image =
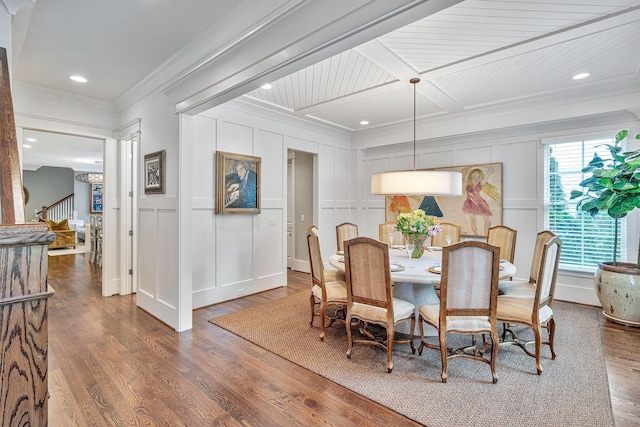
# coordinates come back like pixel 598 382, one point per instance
pixel 618 289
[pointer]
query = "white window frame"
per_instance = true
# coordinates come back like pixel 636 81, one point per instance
pixel 604 153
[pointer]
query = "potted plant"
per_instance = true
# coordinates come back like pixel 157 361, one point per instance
pixel 416 226
pixel 614 188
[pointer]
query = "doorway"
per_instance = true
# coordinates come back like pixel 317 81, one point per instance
pixel 300 207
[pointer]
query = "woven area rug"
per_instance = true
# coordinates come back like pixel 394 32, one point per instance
pixel 572 390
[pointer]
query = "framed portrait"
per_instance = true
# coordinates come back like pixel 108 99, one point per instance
pixel 237 183
pixel 154 172
pixel 478 208
pixel 95 198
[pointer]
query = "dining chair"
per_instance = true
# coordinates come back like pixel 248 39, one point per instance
pixel 326 286
pixel 388 228
pixel 345 231
pixel 369 296
pixel 468 298
pixel 537 312
pixel 448 229
pixel 505 238
pixel 524 288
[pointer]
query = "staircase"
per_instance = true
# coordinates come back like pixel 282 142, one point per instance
pixel 62 209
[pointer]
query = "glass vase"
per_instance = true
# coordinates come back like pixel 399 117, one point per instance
pixel 418 241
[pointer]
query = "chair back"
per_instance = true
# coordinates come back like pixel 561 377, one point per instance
pixel 315 256
pixel 345 231
pixel 448 229
pixel 469 284
pixel 387 228
pixel 542 239
pixel 366 262
pixel 548 272
pixel 505 238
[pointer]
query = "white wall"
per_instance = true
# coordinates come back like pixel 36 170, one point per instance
pixel 522 155
pixel 157 231
pixel 234 255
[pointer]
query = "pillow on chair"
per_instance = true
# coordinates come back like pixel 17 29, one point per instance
pixel 56 226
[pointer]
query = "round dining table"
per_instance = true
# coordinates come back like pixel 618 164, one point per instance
pixel 415 278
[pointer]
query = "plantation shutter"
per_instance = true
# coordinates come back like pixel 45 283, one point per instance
pixel 586 240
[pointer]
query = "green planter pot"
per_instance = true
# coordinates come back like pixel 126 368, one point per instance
pixel 618 289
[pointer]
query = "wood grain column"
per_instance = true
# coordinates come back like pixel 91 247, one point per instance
pixel 11 193
pixel 24 293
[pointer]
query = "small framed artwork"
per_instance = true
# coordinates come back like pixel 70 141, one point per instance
pixel 154 173
pixel 95 198
pixel 237 183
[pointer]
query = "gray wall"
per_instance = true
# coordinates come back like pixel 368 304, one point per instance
pixel 46 185
pixel 304 202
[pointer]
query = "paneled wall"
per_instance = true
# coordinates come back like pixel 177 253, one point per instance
pixel 522 156
pixel 235 255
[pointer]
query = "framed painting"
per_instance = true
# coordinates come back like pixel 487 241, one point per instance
pixel 237 183
pixel 154 164
pixel 478 208
pixel 95 198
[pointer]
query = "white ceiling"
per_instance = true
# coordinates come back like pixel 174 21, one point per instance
pixel 474 55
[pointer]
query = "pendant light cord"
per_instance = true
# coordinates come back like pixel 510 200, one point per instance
pixel 414 82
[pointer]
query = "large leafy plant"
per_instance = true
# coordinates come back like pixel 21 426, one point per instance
pixel 613 187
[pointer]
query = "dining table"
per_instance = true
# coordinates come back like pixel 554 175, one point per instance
pixel 415 279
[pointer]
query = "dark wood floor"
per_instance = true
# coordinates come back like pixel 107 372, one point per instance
pixel 112 364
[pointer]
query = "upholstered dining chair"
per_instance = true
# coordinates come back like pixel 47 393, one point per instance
pixel 369 298
pixel 505 238
pixel 448 229
pixel 387 228
pixel 468 297
pixel 537 312
pixel 326 286
pixel 345 231
pixel 524 288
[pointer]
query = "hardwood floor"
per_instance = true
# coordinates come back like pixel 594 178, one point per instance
pixel 112 364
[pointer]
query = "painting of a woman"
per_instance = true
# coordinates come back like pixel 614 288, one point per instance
pixel 475 205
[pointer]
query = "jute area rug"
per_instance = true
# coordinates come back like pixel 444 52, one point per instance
pixel 572 390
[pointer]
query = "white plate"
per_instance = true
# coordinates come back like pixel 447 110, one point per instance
pixel 399 247
pixel 434 248
pixel 396 267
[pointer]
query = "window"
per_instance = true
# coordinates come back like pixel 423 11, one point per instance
pixel 586 240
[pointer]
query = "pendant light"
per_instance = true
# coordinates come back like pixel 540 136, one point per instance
pixel 417 182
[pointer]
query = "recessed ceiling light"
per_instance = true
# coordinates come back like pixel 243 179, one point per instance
pixel 26 145
pixel 78 79
pixel 581 76
pixel 266 86
pixel 364 122
pixel 31 139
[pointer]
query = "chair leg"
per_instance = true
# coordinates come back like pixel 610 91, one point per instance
pixel 413 327
pixel 389 347
pixel 420 324
pixel 538 344
pixel 323 307
pixel 552 334
pixel 348 326
pixel 494 354
pixel 442 335
pixel 312 303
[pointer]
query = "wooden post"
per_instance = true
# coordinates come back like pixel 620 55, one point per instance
pixel 11 193
pixel 24 292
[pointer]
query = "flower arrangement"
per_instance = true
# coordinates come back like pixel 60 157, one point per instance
pixel 417 222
